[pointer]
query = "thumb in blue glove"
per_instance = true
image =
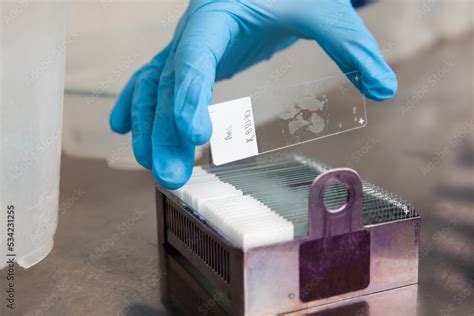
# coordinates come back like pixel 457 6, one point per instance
pixel 165 102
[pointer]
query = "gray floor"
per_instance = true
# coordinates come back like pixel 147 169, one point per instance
pixel 105 259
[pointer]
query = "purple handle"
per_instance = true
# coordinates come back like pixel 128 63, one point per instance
pixel 348 218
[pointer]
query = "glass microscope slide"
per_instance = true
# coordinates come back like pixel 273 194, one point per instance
pixel 284 117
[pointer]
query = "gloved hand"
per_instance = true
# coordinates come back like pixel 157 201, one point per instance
pixel 165 102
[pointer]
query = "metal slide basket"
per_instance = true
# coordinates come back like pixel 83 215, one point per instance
pixel 363 247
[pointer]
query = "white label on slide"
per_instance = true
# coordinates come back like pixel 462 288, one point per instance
pixel 233 137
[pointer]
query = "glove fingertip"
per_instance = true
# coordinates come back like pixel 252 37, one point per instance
pixel 143 157
pixel 172 168
pixel 194 124
pixel 117 123
pixel 200 135
pixel 172 178
pixel 381 87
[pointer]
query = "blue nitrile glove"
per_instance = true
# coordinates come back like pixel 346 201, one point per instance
pixel 165 102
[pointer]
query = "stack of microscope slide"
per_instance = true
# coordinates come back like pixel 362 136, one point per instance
pixel 262 202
